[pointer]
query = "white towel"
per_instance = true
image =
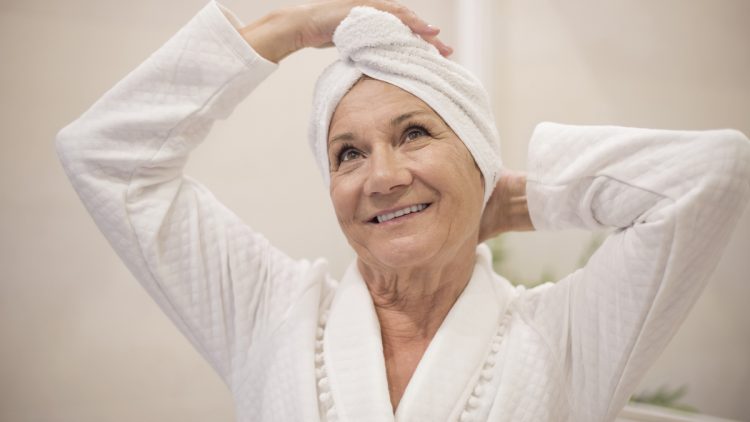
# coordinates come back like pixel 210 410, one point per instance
pixel 377 44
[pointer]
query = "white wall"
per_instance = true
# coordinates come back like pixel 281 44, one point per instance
pixel 82 342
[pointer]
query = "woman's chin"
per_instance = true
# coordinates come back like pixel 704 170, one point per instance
pixel 403 254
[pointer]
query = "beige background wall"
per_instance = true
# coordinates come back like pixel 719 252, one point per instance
pixel 80 341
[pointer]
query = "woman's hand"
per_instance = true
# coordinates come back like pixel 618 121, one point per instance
pixel 507 209
pixel 289 29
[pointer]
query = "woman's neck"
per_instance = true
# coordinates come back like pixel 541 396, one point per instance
pixel 411 304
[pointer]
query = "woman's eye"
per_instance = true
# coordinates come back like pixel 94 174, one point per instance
pixel 415 132
pixel 348 154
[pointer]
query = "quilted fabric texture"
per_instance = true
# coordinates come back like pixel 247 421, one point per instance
pixel 569 351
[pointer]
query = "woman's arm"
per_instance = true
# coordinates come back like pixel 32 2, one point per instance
pixel 221 283
pixel 215 278
pixel 673 198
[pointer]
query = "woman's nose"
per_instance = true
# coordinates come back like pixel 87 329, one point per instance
pixel 387 172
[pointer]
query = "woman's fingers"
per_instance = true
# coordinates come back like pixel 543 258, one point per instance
pixel 418 25
pixel 444 50
pixel 414 22
pixel 427 29
pixel 313 25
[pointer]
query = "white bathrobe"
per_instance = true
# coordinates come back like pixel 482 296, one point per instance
pixel 293 344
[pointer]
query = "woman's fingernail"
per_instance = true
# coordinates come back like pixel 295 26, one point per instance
pixel 433 29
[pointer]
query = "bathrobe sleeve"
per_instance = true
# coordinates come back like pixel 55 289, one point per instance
pixel 221 283
pixel 672 198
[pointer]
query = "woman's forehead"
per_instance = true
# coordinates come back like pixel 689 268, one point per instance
pixel 369 93
pixel 374 100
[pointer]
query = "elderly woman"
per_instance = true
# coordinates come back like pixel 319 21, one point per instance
pixel 419 328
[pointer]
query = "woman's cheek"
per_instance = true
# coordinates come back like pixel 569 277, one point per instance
pixel 344 196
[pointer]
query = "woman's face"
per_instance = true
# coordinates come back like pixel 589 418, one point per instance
pixel 391 154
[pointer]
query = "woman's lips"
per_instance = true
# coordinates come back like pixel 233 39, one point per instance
pixel 399 212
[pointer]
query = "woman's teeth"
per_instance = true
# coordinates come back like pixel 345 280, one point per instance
pixel 408 210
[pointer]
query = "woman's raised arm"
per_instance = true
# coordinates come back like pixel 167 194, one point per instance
pixel 220 282
pixel 217 280
pixel 673 198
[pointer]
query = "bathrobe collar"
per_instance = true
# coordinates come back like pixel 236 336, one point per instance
pixel 448 370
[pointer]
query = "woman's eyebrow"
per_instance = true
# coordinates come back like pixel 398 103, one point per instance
pixel 343 137
pixel 400 119
pixel 349 136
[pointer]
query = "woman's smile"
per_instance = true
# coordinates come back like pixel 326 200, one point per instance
pixel 398 214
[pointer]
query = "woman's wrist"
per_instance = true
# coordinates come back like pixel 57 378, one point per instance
pixel 516 207
pixel 507 209
pixel 274 36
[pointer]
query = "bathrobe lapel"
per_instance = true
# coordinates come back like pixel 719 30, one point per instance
pixel 353 353
pixel 446 373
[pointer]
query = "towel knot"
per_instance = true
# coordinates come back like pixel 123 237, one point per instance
pixel 367 28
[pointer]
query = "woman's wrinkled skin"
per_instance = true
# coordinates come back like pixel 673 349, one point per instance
pixel 389 150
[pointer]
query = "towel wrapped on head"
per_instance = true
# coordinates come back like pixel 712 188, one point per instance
pixel 377 44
